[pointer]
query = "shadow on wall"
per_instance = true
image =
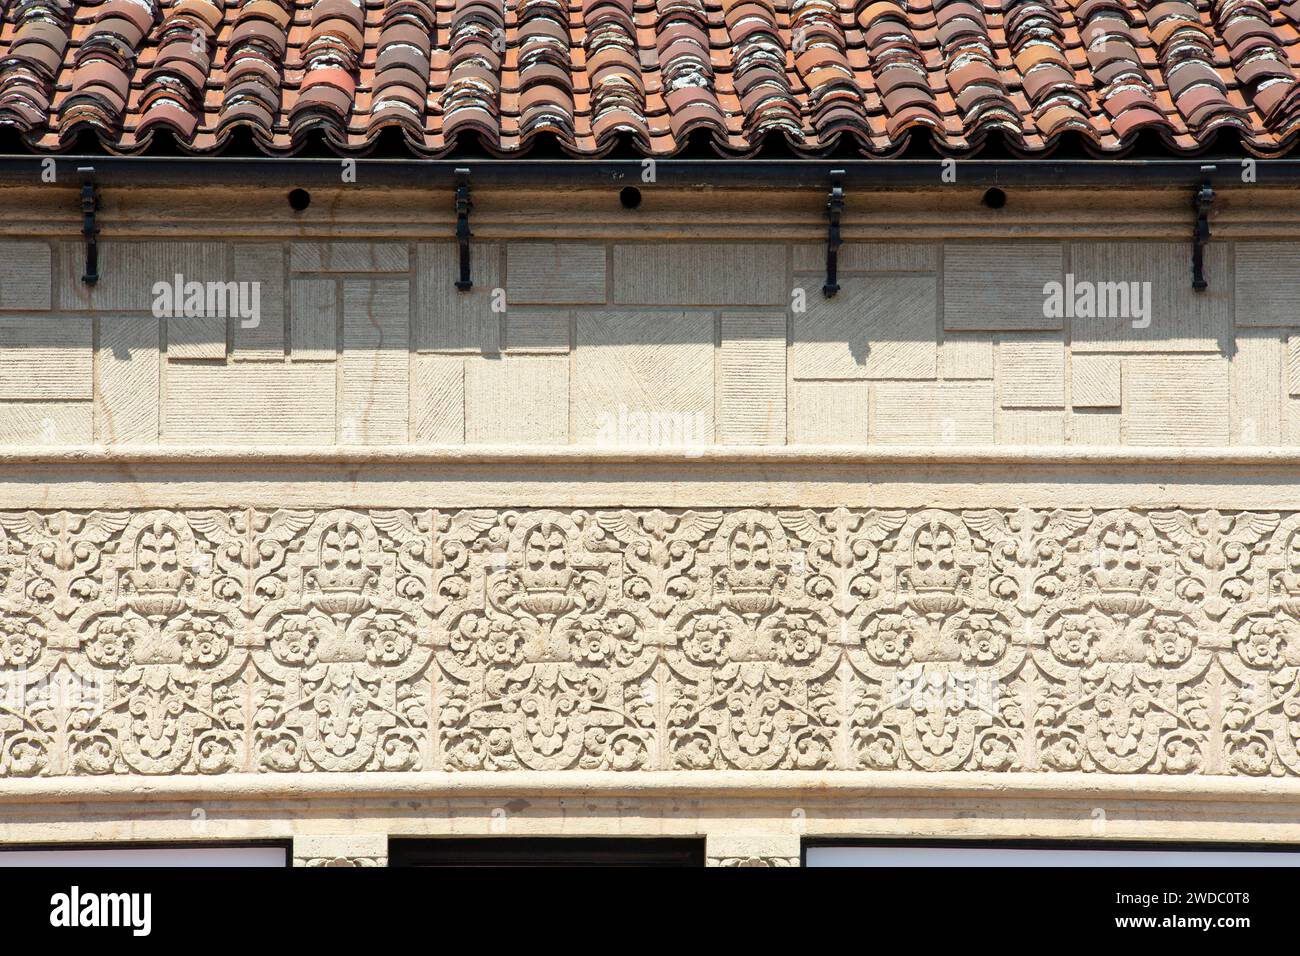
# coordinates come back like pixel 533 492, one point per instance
pixel 372 342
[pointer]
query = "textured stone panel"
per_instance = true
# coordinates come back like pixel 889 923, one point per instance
pixel 1181 319
pixel 966 357
pixel 374 390
pixel 751 393
pixel 128 383
pixel 45 358
pixel 829 413
pixel 1031 373
pixel 191 337
pixel 1293 365
pixel 1095 381
pixel 517 400
pixel 878 327
pixel 945 413
pixel 537 330
pixel 438 399
pixel 680 273
pixel 446 319
pixel 25 275
pixel 46 423
pixel 652 639
pixel 998 286
pixel 1293 421
pixel 349 257
pixel 1176 400
pixel 644 378
pixel 250 404
pixel 1031 427
pixel 1265 292
pixel 313 324
pixel 870 257
pixel 1091 426
pixel 128 272
pixel 555 273
pixel 1258 388
pixel 263 263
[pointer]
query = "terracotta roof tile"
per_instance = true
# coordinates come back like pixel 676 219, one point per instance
pixel 814 75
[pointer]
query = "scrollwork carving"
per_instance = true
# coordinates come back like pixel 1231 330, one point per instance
pixel 207 641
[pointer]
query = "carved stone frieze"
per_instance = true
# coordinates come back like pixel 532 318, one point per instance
pixel 275 641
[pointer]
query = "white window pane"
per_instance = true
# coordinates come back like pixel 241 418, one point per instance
pixel 156 856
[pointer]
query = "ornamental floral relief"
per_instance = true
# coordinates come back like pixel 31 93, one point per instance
pixel 345 650
pixel 751 657
pixel 264 640
pixel 931 653
pixel 542 657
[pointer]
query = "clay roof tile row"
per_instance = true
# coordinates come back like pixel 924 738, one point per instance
pixel 812 74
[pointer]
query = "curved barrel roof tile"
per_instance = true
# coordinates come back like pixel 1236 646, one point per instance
pixel 865 76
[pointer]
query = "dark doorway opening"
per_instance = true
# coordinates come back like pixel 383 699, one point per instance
pixel 546 851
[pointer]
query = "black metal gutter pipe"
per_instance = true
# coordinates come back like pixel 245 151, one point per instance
pixel 722 173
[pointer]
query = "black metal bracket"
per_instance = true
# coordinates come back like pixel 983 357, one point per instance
pixel 834 208
pixel 463 205
pixel 1202 203
pixel 89 227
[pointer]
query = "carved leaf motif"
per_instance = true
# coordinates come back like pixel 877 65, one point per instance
pixel 637 639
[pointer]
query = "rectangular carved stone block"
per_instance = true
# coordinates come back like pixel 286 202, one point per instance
pixel 1293 364
pixel 555 273
pixel 374 386
pixel 1264 277
pixel 1173 316
pixel 877 327
pixel 349 257
pixel 250 404
pixel 128 272
pixel 1095 426
pixel 445 318
pixel 196 337
pixel 313 324
pixel 1292 436
pixel 127 380
pixel 966 356
pixel 438 399
pixel 636 372
pixel 1176 400
pixel 46 423
pixel 999 286
pixel 519 399
pixel 1031 372
pixel 25 275
pixel 537 330
pixel 946 413
pixel 259 338
pixel 1258 388
pixel 1095 381
pixel 45 358
pixel 680 273
pixel 751 394
pixel 829 413
pixel 871 257
pixel 1031 427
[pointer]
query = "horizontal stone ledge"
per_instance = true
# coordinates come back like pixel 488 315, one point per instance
pixel 702 456
pixel 806 786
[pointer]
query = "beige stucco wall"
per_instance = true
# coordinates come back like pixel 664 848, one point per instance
pixel 397 562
